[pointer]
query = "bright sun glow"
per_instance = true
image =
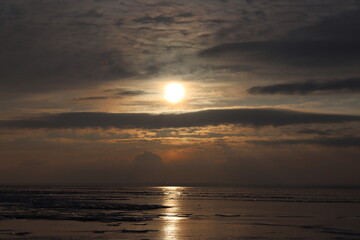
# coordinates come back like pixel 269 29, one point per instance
pixel 174 92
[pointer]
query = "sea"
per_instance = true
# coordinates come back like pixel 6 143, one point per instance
pixel 178 213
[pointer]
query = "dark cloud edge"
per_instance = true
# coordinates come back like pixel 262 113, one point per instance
pixel 255 117
pixel 347 141
pixel 331 42
pixel 288 52
pixel 349 85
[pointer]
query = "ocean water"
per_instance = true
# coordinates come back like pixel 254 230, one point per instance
pixel 178 213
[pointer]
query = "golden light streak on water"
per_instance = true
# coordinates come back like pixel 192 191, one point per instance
pixel 171 227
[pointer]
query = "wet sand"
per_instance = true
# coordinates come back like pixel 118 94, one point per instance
pixel 178 213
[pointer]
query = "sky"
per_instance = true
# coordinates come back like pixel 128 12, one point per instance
pixel 271 92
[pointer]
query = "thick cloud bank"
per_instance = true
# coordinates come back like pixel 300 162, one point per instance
pixel 246 116
pixel 351 85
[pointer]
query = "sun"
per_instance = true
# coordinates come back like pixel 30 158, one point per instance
pixel 174 92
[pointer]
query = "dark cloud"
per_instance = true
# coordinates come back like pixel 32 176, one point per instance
pixel 117 93
pixel 185 15
pixel 92 13
pixel 342 27
pixel 122 92
pixel 232 68
pixel 91 98
pixel 157 19
pixel 316 131
pixel 349 141
pixel 47 46
pixel 351 85
pixel 131 93
pixel 335 41
pixel 49 69
pixel 147 158
pixel 289 52
pixel 147 167
pixel 119 22
pixel 247 116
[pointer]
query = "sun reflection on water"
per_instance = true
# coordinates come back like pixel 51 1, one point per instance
pixel 171 218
